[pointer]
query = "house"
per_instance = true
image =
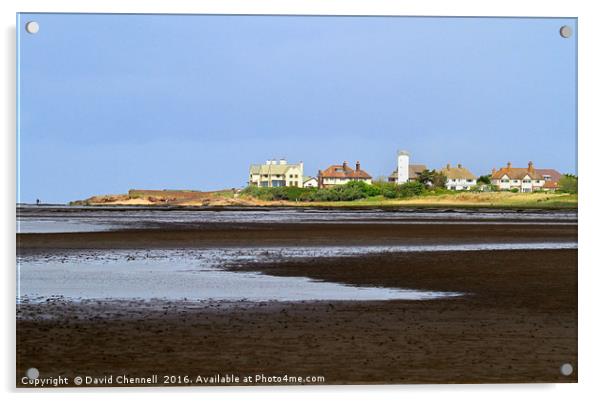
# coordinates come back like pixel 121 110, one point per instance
pixel 310 182
pixel 458 178
pixel 342 174
pixel 276 173
pixel 551 178
pixel 523 179
pixel 405 171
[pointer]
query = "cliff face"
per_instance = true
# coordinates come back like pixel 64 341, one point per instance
pixel 142 197
pixel 152 197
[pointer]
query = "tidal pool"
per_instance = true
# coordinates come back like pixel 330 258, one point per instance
pixel 200 274
pixel 149 279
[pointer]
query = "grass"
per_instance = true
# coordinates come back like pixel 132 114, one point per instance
pixel 465 199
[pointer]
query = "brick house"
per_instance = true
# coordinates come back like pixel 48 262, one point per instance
pixel 341 174
pixel 524 179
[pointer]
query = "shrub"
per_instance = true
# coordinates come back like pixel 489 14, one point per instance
pixel 387 189
pixel 410 189
pixel 351 191
pixel 568 183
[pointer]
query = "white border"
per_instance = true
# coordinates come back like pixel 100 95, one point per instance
pixel 590 129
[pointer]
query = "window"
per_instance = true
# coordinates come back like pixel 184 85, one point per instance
pixel 527 181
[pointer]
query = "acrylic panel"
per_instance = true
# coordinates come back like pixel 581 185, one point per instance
pixel 281 200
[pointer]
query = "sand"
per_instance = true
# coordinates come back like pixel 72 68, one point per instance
pixel 516 323
pixel 181 235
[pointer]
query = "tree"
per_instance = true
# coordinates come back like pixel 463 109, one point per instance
pixel 439 179
pixel 426 177
pixel 568 183
pixel 432 178
pixel 484 179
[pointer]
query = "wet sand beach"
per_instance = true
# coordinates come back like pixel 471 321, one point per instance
pixel 297 234
pixel 516 322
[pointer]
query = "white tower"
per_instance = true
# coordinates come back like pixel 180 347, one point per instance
pixel 403 167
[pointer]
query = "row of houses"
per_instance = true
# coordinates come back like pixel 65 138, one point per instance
pixel 280 173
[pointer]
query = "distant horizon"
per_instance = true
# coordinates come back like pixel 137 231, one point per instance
pixel 190 102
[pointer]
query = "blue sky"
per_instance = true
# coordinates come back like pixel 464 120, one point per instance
pixel 113 102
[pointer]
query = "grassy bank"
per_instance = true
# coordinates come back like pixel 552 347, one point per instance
pixel 540 200
pixel 468 199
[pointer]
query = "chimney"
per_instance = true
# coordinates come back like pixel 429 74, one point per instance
pixel 448 166
pixel 493 171
pixel 357 165
pixel 531 169
pixel 459 165
pixel 509 165
pixel 344 165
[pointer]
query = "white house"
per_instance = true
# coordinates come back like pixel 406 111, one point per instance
pixel 310 182
pixel 458 178
pixel 276 173
pixel 523 179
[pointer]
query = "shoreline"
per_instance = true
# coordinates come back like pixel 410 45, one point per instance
pixel 277 205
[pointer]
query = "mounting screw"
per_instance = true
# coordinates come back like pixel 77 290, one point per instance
pixel 566 369
pixel 32 373
pixel 566 31
pixel 32 27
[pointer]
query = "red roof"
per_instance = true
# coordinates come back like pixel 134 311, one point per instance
pixel 550 185
pixel 554 175
pixel 516 173
pixel 344 171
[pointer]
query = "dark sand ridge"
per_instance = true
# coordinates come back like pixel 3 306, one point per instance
pixel 283 234
pixel 518 323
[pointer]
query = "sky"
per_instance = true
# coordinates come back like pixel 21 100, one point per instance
pixel 107 103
